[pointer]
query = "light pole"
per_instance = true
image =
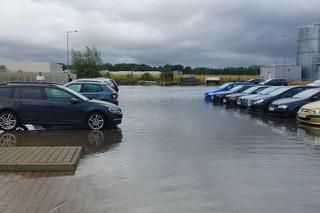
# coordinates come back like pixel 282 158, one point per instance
pixel 284 54
pixel 68 32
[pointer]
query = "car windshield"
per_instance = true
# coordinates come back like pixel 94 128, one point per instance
pixel 258 90
pixel 250 90
pixel 234 89
pixel 267 81
pixel 307 93
pixel 268 90
pixel 74 93
pixel 280 90
pixel 225 85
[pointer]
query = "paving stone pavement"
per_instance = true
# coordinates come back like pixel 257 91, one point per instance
pixel 40 192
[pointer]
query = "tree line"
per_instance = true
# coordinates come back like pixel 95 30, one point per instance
pixel 89 63
pixel 252 70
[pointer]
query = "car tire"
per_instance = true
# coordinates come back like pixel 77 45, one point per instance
pixel 9 121
pixel 96 121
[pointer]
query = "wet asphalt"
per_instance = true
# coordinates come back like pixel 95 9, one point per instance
pixel 175 153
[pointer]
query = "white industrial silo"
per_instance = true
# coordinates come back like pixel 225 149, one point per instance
pixel 308 55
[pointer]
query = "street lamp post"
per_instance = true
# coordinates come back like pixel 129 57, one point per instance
pixel 284 54
pixel 68 32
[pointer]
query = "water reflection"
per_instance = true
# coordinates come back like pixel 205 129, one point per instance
pixel 91 141
pixel 307 133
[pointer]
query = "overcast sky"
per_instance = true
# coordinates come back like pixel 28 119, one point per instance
pixel 214 33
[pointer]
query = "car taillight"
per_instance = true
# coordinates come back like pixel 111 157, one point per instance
pixel 114 96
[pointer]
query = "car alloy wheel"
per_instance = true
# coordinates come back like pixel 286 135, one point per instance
pixel 96 121
pixel 8 121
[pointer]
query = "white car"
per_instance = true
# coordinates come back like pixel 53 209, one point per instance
pixel 315 83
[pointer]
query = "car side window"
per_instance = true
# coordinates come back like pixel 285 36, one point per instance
pixel 34 93
pixel 75 87
pixel 316 97
pixel 292 92
pixel 5 92
pixel 58 95
pixel 230 86
pixel 91 88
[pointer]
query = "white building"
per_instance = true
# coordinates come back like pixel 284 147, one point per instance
pixel 288 72
pixel 27 71
pixel 43 67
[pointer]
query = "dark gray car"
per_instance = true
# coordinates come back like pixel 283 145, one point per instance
pixel 94 90
pixel 50 104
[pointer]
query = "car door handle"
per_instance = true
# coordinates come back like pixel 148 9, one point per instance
pixel 18 102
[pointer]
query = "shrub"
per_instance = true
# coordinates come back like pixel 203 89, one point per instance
pixel 146 77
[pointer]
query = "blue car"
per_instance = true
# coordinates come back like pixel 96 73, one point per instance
pixel 208 95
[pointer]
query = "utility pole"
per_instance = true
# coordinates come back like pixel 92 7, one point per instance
pixel 284 54
pixel 68 32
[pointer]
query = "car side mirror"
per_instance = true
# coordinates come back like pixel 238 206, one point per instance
pixel 74 100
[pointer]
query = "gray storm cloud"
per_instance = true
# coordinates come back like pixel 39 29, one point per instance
pixel 215 33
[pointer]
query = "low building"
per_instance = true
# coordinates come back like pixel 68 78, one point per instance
pixel 212 80
pixel 43 67
pixel 189 81
pixel 288 72
pixel 137 73
pixel 27 71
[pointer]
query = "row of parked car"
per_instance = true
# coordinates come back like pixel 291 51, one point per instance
pixel 301 101
pixel 83 102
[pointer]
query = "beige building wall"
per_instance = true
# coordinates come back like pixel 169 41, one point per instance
pixel 44 67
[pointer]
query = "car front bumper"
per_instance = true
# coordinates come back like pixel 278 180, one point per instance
pixel 309 119
pixel 279 112
pixel 115 119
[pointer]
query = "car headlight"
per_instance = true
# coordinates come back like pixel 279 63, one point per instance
pixel 317 112
pixel 114 110
pixel 283 106
pixel 259 101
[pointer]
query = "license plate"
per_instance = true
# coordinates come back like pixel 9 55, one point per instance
pixel 224 101
pixel 271 109
pixel 302 115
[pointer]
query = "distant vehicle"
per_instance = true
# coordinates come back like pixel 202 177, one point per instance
pixel 112 83
pixel 315 83
pixel 309 113
pixel 94 90
pixel 288 107
pixel 208 95
pixel 261 103
pixel 219 96
pixel 232 99
pixel 275 82
pixel 244 100
pixel 51 104
pixel 256 80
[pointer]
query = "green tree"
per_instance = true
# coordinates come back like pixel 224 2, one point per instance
pixel 166 75
pixel 87 63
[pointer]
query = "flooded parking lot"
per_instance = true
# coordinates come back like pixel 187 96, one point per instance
pixel 174 153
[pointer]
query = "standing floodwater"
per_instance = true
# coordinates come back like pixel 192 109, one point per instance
pixel 175 153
